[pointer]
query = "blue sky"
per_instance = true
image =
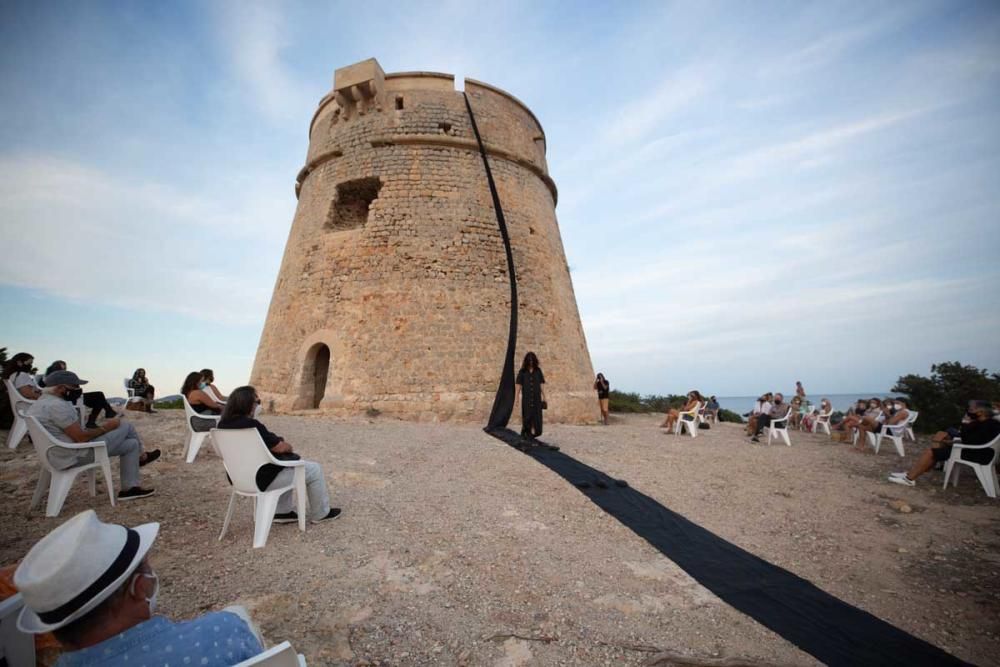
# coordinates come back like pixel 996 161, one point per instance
pixel 750 193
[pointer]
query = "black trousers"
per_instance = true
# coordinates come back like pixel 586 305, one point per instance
pixel 96 401
pixel 763 421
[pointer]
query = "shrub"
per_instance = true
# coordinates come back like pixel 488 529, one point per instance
pixel 621 401
pixel 942 398
pixel 729 416
pixel 174 404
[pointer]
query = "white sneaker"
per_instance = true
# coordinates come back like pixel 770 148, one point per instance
pixel 897 474
pixel 904 480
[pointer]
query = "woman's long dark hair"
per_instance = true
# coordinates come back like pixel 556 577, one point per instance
pixel 13 364
pixel 208 374
pixel 57 365
pixel 191 382
pixel 241 403
pixel 135 376
pixel 530 361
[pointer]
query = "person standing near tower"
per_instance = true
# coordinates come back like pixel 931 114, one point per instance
pixel 603 388
pixel 529 389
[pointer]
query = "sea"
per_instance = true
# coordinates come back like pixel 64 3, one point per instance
pixel 743 404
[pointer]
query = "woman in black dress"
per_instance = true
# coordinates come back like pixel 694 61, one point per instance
pixel 529 388
pixel 603 393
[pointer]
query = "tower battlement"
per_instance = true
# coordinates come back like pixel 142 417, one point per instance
pixel 393 291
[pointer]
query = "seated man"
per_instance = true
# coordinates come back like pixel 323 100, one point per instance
pixel 978 428
pixel 56 412
pixel 91 584
pixel 778 411
pixel 712 409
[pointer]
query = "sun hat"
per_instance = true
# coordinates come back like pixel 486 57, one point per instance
pixel 63 377
pixel 76 567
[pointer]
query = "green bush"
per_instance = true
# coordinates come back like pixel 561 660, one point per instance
pixel 729 416
pixel 622 401
pixel 943 397
pixel 176 404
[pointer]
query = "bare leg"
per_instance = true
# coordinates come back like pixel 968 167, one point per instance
pixel 923 464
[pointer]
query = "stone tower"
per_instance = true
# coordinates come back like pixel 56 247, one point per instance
pixel 393 292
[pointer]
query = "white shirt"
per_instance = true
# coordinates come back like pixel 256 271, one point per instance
pixel 22 379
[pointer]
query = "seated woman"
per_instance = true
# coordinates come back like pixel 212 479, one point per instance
pixel 208 385
pixel 140 385
pixel 673 414
pixel 978 428
pixel 240 413
pixel 761 407
pixel 200 401
pixel 795 421
pixel 892 413
pixel 18 371
pixel 95 400
pixel 825 408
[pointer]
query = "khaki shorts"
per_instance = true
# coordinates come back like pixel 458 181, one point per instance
pixel 604 404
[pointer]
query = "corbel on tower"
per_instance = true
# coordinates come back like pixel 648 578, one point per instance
pixel 359 88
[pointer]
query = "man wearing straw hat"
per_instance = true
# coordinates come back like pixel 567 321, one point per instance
pixel 90 584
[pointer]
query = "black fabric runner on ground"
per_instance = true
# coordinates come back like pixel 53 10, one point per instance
pixel 827 628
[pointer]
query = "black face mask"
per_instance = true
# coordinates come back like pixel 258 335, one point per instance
pixel 970 414
pixel 73 395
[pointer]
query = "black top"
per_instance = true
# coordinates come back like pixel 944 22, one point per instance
pixel 206 410
pixel 268 471
pixel 603 388
pixel 979 432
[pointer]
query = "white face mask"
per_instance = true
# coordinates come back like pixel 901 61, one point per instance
pixel 257 410
pixel 898 406
pixel 151 601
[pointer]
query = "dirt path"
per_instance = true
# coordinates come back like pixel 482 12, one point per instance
pixel 456 549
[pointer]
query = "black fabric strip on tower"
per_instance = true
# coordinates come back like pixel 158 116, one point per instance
pixel 820 624
pixel 503 403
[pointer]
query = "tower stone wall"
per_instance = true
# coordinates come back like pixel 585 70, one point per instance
pixel 393 292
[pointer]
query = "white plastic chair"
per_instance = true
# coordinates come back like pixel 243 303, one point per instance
pixel 243 453
pixel 909 425
pixel 17 647
pixel 195 439
pixel 780 431
pixel 822 421
pixel 282 655
pixel 894 433
pixel 986 472
pixel 691 424
pixel 58 481
pixel 130 394
pixel 18 403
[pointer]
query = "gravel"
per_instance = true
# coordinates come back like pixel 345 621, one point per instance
pixel 456 549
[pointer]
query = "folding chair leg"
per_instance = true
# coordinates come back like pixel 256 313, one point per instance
pixel 44 479
pixel 899 446
pixel 267 504
pixel 58 490
pixel 784 434
pixel 229 515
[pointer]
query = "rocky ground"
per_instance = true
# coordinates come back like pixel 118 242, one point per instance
pixel 456 549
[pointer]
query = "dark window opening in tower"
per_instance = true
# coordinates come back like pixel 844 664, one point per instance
pixel 399 102
pixel 445 127
pixel 349 209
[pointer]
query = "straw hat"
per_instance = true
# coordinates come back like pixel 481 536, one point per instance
pixel 76 567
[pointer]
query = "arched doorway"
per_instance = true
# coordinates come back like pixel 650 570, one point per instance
pixel 315 372
pixel 321 368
